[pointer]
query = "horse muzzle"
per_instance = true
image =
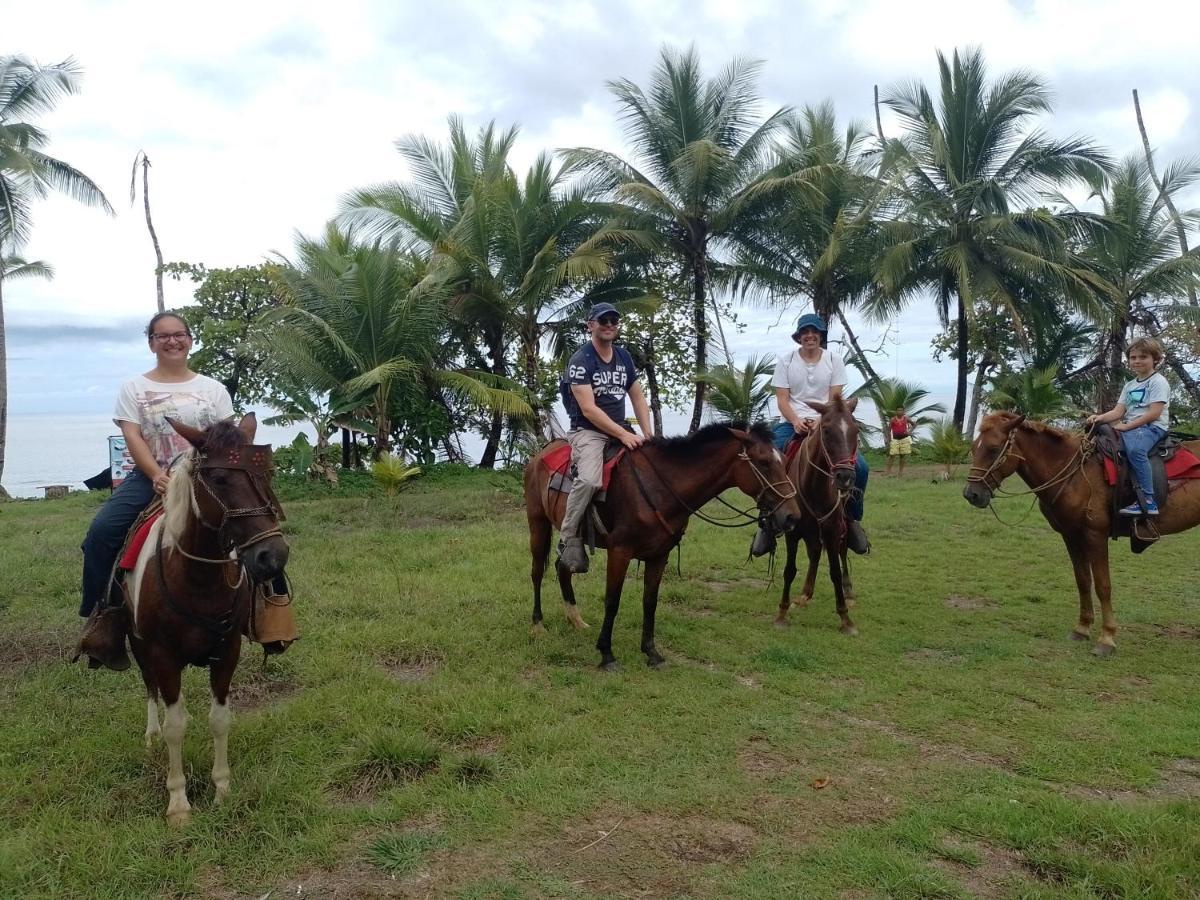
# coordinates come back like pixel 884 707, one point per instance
pixel 977 494
pixel 844 479
pixel 266 559
pixel 783 521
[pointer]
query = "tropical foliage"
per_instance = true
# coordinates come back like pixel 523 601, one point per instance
pixel 740 394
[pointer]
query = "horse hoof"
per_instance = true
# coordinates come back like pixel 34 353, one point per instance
pixel 179 818
pixel 1104 650
pixel 150 738
pixel 611 666
pixel 655 661
pixel 537 630
pixel 1073 635
pixel 781 622
pixel 802 601
pixel 851 630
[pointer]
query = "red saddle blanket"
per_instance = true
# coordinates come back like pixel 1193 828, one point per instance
pixel 1184 464
pixel 792 448
pixel 558 460
pixel 129 560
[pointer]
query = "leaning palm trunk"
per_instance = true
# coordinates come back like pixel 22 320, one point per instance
pixel 963 348
pixel 700 322
pixel 3 382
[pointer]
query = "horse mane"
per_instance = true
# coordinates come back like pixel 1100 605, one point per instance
pixel 696 446
pixel 1005 416
pixel 181 496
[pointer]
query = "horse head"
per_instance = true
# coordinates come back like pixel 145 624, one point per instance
pixel 992 457
pixel 837 434
pixel 229 486
pixel 763 477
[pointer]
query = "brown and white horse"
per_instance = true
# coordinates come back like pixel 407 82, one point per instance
pixel 190 593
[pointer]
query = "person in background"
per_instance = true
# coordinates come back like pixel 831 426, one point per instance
pixel 900 443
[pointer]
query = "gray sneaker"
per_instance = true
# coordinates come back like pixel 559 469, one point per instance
pixel 572 555
pixel 856 538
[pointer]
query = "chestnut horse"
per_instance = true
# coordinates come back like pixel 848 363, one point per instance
pixel 190 592
pixel 653 492
pixel 1061 468
pixel 823 472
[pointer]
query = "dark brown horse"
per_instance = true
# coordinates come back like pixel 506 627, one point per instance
pixel 190 592
pixel 1068 479
pixel 823 472
pixel 653 492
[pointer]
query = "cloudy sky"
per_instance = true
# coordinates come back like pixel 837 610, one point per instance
pixel 259 116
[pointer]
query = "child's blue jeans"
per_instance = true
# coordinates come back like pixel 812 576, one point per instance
pixel 1138 442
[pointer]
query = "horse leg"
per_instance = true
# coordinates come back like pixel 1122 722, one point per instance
pixel 153 729
pixel 835 575
pixel 1078 551
pixel 847 585
pixel 813 546
pixel 652 578
pixel 220 717
pixel 789 575
pixel 539 549
pixel 618 564
pixel 178 808
pixel 1098 555
pixel 568 593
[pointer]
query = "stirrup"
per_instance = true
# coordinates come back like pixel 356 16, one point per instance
pixel 103 639
pixel 572 556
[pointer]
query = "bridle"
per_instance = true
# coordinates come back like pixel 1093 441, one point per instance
pixel 991 482
pixel 988 479
pixel 846 464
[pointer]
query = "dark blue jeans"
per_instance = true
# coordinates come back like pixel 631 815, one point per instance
pixel 784 432
pixel 107 533
pixel 1138 443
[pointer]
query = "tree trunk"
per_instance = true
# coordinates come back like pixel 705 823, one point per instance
pixel 859 360
pixel 985 363
pixel 158 272
pixel 700 322
pixel 3 381
pixel 1180 230
pixel 1110 388
pixel 963 349
pixel 492 447
pixel 345 448
pixel 651 372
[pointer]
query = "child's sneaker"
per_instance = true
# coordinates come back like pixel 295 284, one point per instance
pixel 1133 509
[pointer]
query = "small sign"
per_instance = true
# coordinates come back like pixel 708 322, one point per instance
pixel 120 463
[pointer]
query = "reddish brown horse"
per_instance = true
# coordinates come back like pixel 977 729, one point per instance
pixel 653 492
pixel 823 472
pixel 1067 476
pixel 190 592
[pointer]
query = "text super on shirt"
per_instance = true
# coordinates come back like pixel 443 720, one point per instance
pixel 610 382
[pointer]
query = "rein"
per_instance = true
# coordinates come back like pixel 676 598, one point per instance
pixel 847 463
pixel 1060 478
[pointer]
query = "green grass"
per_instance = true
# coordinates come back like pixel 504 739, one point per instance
pixel 419 740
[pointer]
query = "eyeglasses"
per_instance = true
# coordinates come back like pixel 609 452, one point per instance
pixel 609 320
pixel 171 336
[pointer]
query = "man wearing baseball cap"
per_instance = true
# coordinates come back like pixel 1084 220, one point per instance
pixel 597 378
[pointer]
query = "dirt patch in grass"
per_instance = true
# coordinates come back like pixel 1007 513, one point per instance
pixel 932 654
pixel 757 759
pixel 959 601
pixel 255 686
pixel 997 872
pixel 1177 629
pixel 412 665
pixel 1179 779
pixel 22 649
pixel 639 855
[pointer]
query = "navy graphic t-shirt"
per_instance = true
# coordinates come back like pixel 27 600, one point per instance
pixel 610 383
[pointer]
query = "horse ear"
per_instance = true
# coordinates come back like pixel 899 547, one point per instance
pixel 744 436
pixel 248 426
pixel 819 407
pixel 851 404
pixel 1017 420
pixel 193 436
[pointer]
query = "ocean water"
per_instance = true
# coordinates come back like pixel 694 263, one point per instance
pixel 60 449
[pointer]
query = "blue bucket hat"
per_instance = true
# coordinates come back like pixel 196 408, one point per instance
pixel 810 320
pixel 602 309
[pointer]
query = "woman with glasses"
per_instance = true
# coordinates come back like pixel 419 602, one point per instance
pixel 143 405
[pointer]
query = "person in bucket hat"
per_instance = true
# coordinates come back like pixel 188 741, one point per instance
pixel 813 372
pixel 598 377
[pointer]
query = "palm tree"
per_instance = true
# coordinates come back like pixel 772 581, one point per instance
pixel 354 326
pixel 28 174
pixel 1033 392
pixel 1136 259
pixel 509 253
pixel 141 159
pixel 700 157
pixel 818 240
pixel 970 162
pixel 740 395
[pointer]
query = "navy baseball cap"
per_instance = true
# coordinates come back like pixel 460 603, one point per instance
pixel 810 320
pixel 602 309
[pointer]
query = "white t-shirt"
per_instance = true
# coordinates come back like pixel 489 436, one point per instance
pixel 1139 395
pixel 808 381
pixel 199 402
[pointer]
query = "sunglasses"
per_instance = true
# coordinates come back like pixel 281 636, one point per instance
pixel 609 320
